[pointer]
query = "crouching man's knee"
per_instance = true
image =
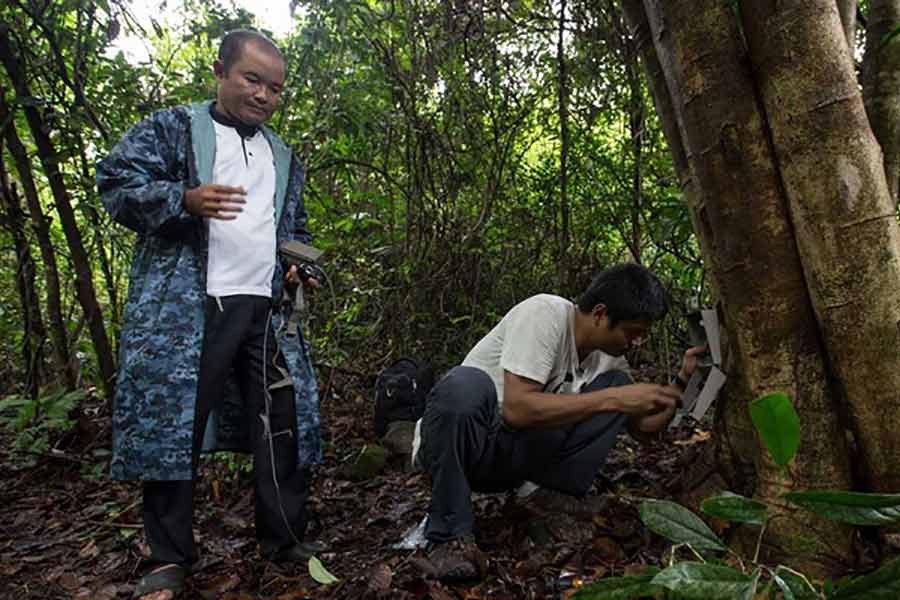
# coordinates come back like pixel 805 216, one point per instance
pixel 608 379
pixel 461 393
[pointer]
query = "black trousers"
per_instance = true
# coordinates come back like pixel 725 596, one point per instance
pixel 238 335
pixel 465 447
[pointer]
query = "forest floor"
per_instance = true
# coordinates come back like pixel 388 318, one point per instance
pixel 67 531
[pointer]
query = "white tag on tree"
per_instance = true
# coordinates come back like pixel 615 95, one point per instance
pixel 714 383
pixel 713 338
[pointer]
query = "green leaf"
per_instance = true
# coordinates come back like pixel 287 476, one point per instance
pixel 320 573
pixel 750 592
pixel 792 586
pixel 778 425
pixel 701 581
pixel 856 508
pixel 884 583
pixel 786 590
pixel 678 524
pixel 733 507
pixel 620 588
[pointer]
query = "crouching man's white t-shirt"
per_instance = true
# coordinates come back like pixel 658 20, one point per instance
pixel 536 340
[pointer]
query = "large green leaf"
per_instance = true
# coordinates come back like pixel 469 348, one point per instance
pixel 778 425
pixel 882 584
pixel 856 508
pixel 733 507
pixel 620 588
pixel 678 524
pixel 701 581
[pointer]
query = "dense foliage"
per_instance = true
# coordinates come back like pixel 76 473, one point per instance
pixel 461 156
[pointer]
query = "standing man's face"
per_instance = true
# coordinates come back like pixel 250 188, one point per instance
pixel 250 90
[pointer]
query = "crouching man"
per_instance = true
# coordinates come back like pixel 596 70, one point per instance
pixel 537 405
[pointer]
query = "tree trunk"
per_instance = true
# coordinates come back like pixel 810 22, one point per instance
pixel 639 30
pixel 97 225
pixel 80 259
pixel 563 110
pixel 743 222
pixel 636 135
pixel 847 10
pixel 881 85
pixel 34 334
pixel 844 218
pixel 41 227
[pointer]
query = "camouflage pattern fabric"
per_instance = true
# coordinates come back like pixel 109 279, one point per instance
pixel 142 184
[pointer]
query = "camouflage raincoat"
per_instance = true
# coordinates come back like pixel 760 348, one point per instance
pixel 142 184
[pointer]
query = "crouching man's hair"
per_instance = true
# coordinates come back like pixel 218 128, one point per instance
pixel 630 293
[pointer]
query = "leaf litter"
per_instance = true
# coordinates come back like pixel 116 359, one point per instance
pixel 65 535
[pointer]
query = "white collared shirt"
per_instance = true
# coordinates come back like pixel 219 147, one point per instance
pixel 242 251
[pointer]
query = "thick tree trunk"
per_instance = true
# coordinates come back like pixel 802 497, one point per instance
pixel 847 10
pixel 844 218
pixel 881 85
pixel 34 334
pixel 80 259
pixel 41 227
pixel 773 339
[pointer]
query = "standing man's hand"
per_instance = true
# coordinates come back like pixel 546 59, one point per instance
pixel 215 201
pixel 293 276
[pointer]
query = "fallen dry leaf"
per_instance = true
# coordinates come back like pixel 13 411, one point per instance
pixel 68 581
pixel 107 592
pixel 238 596
pixel 380 578
pixel 608 549
pixel 89 550
pixel 226 583
pixel 696 438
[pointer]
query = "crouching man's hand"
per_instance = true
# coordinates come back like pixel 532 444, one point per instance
pixel 643 399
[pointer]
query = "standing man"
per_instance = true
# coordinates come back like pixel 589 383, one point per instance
pixel 207 358
pixel 537 405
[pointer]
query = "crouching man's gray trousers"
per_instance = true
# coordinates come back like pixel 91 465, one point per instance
pixel 465 447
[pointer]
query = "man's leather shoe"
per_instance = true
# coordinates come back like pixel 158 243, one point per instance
pixel 298 552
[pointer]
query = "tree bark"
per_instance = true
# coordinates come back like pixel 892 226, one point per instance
pixel 881 85
pixel 50 161
pixel 41 227
pixel 847 10
pixel 34 335
pixel 743 222
pixel 97 225
pixel 843 215
pixel 639 30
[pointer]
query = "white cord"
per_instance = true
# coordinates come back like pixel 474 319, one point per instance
pixel 268 428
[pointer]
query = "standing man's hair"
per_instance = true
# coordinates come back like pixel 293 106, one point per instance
pixel 232 45
pixel 629 291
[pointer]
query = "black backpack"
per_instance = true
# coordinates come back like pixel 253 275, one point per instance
pixel 400 392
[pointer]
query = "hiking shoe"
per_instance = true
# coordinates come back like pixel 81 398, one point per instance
pixel 297 553
pixel 457 560
pixel 545 501
pixel 166 578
